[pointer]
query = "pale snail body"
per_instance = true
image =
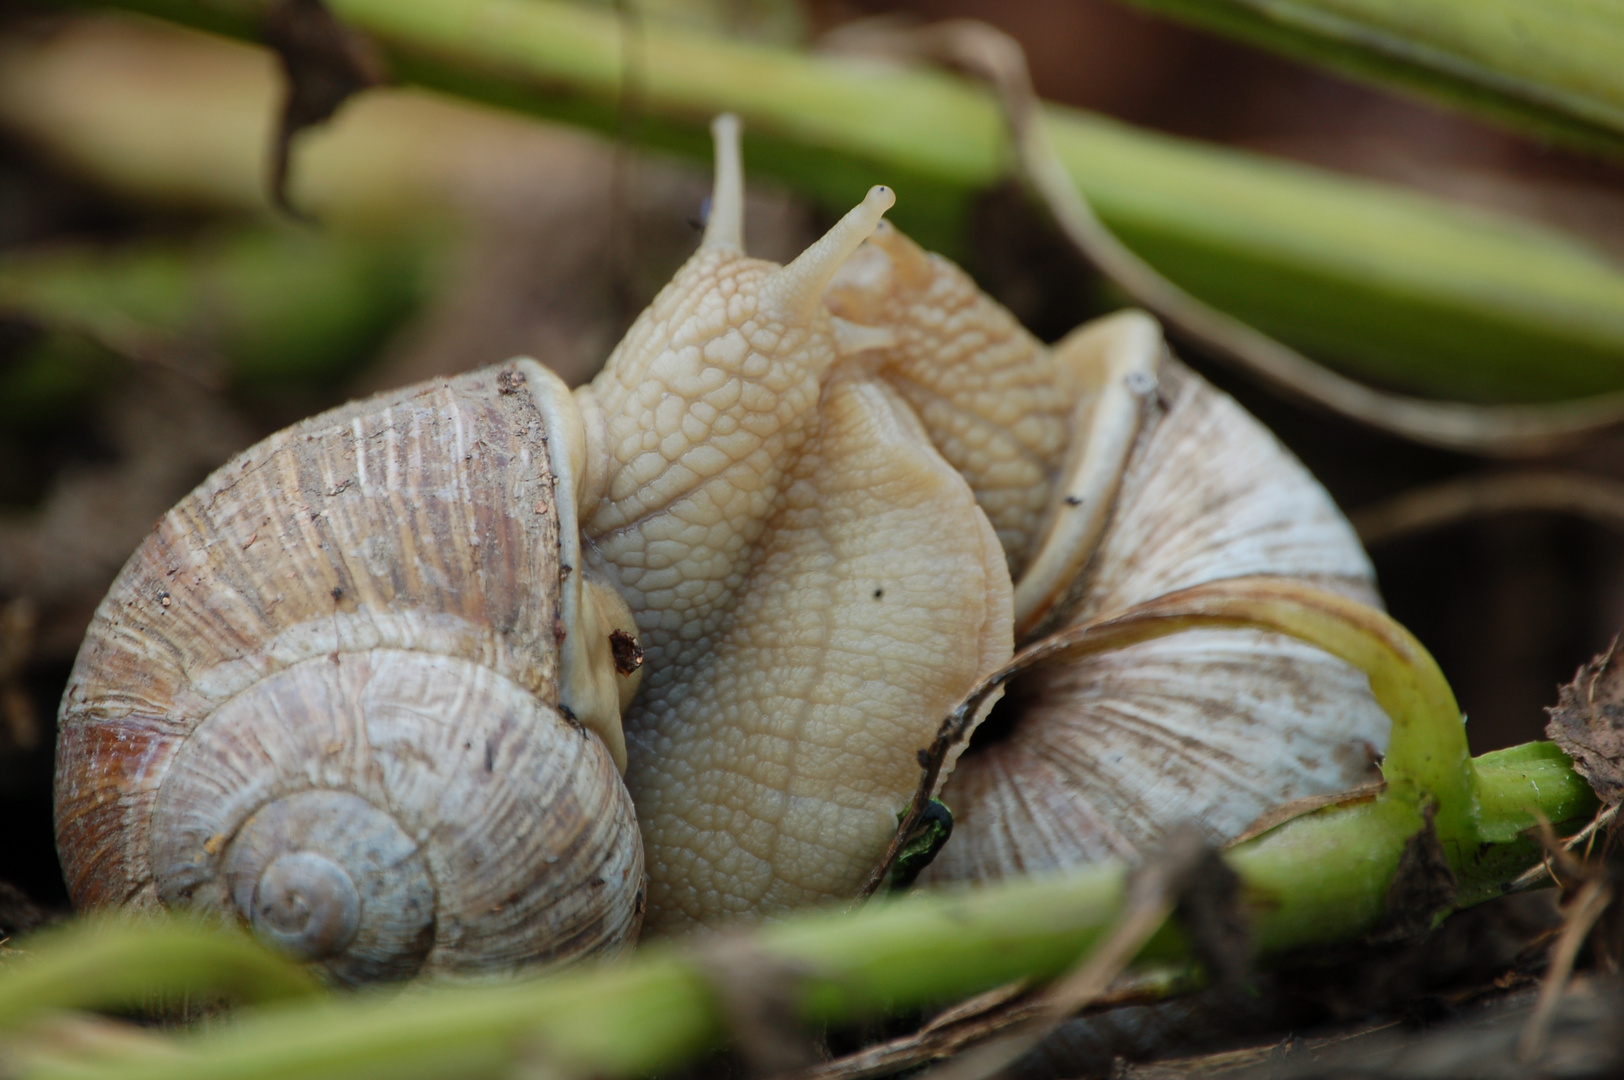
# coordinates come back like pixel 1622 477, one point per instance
pixel 781 481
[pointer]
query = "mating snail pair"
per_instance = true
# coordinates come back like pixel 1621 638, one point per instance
pixel 370 688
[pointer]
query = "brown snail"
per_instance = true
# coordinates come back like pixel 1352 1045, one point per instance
pixel 807 486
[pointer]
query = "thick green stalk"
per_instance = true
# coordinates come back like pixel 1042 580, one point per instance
pixel 1389 285
pixel 1317 879
pixel 117 962
pixel 1547 67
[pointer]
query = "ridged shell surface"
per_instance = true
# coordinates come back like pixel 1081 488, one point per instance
pixel 1101 757
pixel 346 641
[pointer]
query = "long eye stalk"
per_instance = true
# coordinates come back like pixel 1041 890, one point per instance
pixel 725 226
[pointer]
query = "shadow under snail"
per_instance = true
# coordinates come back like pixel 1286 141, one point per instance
pixel 370 688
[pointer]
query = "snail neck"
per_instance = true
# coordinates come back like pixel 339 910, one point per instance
pixel 699 413
pixel 691 427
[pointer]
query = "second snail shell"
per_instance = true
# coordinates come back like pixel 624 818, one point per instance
pixel 830 494
pixel 1160 482
pixel 1098 758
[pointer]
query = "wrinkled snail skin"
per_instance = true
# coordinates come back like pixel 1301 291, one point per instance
pixel 996 405
pixel 321 699
pixel 813 584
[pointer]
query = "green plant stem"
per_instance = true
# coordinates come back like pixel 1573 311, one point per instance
pixel 1389 285
pixel 1547 67
pixel 1314 880
pixel 112 963
pixel 261 307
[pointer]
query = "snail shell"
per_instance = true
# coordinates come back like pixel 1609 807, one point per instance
pixel 1100 757
pixel 322 698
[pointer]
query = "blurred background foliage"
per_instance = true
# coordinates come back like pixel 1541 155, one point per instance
pixel 1444 217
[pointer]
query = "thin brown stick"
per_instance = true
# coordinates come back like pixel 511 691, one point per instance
pixel 1595 498
pixel 1537 877
pixel 1277 816
pixel 962 1025
pixel 1588 906
pixel 1153 893
pixel 1491 430
pixel 981 1018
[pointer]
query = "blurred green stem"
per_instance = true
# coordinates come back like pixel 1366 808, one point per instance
pixel 1547 67
pixel 1390 285
pixel 256 306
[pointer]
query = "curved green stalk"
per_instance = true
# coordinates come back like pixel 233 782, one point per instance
pixel 269 306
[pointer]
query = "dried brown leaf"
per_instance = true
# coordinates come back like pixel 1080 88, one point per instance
pixel 1587 722
pixel 1423 886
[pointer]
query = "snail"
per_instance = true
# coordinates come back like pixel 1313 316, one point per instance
pixel 1162 483
pixel 368 687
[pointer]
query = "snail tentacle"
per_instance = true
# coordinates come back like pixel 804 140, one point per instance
pixel 724 228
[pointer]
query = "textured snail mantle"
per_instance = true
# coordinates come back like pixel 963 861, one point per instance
pixel 364 688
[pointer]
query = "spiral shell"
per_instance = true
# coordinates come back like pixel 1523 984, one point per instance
pixel 322 698
pixel 1099 758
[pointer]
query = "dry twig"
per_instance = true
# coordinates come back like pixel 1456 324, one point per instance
pixel 1537 877
pixel 1155 890
pixel 1595 498
pixel 1587 907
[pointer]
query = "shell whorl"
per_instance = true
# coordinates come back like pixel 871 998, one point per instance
pixel 354 746
pixel 1100 757
pixel 297 869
